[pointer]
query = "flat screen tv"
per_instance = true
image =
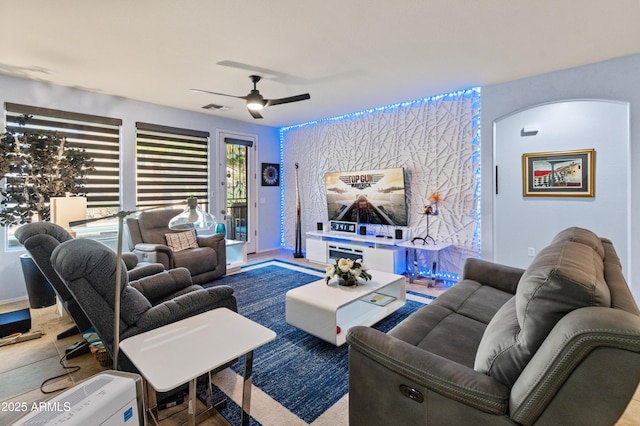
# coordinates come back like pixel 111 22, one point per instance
pixel 368 196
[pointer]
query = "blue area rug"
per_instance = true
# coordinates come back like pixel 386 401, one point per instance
pixel 303 373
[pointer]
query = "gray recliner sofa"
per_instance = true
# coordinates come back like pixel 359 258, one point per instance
pixel 88 269
pixel 41 238
pixel 555 344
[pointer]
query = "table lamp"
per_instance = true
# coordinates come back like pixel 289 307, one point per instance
pixel 193 218
pixel 68 209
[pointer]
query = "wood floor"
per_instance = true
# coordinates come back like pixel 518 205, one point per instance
pixel 24 366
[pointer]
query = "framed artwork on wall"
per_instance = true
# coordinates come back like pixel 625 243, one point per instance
pixel 270 174
pixel 559 174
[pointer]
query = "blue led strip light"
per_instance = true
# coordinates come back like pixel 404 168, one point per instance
pixel 446 96
pixel 473 93
pixel 282 174
pixel 477 165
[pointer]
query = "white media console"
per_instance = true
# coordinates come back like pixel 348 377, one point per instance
pixel 380 253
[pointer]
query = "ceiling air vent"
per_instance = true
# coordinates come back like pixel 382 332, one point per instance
pixel 216 107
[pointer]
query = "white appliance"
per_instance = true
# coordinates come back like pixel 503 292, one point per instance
pixel 109 398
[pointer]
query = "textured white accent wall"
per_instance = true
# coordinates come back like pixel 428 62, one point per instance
pixel 435 140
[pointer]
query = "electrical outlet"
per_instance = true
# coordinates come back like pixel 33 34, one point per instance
pixel 531 251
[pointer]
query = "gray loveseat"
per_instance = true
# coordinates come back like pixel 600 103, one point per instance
pixel 555 344
pixel 146 236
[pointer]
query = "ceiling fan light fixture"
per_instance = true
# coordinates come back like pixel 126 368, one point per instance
pixel 255 101
pixel 255 106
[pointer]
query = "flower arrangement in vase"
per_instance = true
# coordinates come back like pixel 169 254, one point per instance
pixel 348 271
pixel 432 208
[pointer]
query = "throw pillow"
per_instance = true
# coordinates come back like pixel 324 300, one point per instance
pixel 179 241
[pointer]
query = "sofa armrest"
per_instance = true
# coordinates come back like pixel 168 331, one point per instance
pixel 136 269
pixel 438 374
pixel 130 260
pixel 149 247
pixel 212 241
pixel 565 352
pixel 145 270
pixel 502 277
pixel 153 253
pixel 223 296
pixel 160 285
pixel 218 243
pixel 185 306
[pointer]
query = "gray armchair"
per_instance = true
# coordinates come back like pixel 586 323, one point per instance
pixel 555 344
pixel 40 239
pixel 146 236
pixel 88 269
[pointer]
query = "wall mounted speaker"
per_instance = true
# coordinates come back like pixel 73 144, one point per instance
pixel 319 226
pixel 363 230
pixel 398 234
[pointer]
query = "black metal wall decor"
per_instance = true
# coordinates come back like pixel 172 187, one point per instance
pixel 270 174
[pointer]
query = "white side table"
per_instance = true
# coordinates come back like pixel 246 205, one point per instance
pixel 435 248
pixel 181 352
pixel 236 254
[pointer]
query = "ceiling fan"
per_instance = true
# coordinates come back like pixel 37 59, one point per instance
pixel 255 101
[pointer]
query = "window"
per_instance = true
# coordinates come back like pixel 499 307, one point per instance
pixel 237 188
pixel 99 136
pixel 172 164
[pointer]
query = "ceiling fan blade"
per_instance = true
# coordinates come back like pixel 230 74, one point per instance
pixel 254 114
pixel 271 102
pixel 216 93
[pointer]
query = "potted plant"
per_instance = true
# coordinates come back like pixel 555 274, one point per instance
pixel 36 165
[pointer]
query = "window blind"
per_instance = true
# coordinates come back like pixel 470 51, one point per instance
pixel 98 136
pixel 235 141
pixel 171 164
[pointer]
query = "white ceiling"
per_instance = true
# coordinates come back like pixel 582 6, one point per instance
pixel 350 55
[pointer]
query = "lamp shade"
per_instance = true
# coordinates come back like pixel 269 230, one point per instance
pixel 193 218
pixel 68 209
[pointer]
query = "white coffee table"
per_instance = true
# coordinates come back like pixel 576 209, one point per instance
pixel 329 311
pixel 181 352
